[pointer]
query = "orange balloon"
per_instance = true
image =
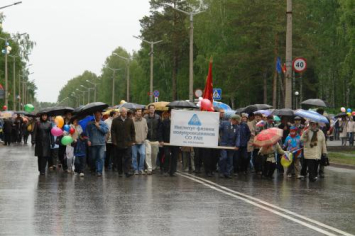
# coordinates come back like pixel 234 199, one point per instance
pixel 59 121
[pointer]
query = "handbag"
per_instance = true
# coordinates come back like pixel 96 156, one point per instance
pixel 324 160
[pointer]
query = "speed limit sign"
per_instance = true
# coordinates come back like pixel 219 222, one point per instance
pixel 299 64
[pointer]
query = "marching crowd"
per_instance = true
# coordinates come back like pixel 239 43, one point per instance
pixel 138 143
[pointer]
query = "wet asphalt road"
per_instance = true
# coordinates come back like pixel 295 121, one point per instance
pixel 64 204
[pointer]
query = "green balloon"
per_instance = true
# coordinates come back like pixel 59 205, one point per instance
pixel 29 108
pixel 66 140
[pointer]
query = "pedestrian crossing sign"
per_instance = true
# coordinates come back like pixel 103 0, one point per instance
pixel 217 94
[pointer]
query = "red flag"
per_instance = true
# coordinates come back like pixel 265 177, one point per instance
pixel 1 87
pixel 284 68
pixel 208 91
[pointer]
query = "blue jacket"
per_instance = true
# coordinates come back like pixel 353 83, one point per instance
pixel 97 136
pixel 80 148
pixel 230 135
pixel 244 135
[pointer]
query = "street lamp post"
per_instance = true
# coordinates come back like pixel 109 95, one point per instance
pixel 151 63
pixel 13 4
pixel 62 101
pixel 77 99
pixel 19 86
pixel 113 83
pixel 88 91
pixel 6 51
pixel 191 68
pixel 14 82
pixel 95 90
pixel 128 62
pixel 296 99
pixel 83 95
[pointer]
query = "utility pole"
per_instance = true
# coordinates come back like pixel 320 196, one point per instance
pixel 14 83
pixel 151 64
pixel 113 83
pixel 191 53
pixel 288 90
pixel 128 60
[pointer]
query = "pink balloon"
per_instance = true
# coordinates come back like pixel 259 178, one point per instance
pixel 55 131
pixel 206 105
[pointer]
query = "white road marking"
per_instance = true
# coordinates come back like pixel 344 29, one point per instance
pixel 253 201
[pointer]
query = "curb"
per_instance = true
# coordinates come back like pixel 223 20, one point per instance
pixel 351 167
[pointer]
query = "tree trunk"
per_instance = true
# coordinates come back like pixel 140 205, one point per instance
pixel 265 86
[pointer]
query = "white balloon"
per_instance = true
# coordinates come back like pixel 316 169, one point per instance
pixel 200 98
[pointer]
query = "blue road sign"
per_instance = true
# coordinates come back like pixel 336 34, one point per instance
pixel 156 93
pixel 217 94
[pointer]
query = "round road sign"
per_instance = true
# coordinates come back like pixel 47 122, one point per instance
pixel 198 93
pixel 299 64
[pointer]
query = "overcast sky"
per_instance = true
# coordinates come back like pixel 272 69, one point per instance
pixel 73 36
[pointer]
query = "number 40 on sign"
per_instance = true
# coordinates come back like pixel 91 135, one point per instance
pixel 299 64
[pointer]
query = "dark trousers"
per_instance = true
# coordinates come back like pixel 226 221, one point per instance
pixel 123 159
pixel 242 160
pixel 198 159
pixel 269 169
pixel 79 164
pixel 258 161
pixel 25 138
pixel 62 158
pixel 279 167
pixel 312 166
pixel 216 153
pixel 109 155
pixel 7 138
pixel 52 160
pixel 170 161
pixel 207 159
pixel 42 162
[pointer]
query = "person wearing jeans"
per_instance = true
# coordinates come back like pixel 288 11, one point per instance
pixel 151 143
pixel 141 129
pixel 96 131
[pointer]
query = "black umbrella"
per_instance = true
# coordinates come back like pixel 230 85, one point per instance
pixel 314 102
pixel 78 109
pixel 44 111
pixel 341 114
pixel 252 108
pixel 283 112
pixel 56 111
pixel 182 104
pixel 25 113
pixel 91 108
pixel 131 106
pixel 240 110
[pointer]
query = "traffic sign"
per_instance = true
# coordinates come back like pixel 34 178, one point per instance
pixel 156 93
pixel 156 99
pixel 217 94
pixel 198 93
pixel 299 64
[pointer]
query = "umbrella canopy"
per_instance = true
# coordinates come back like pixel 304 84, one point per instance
pixel 252 108
pixel 91 108
pixel 131 106
pixel 182 104
pixel 284 112
pixel 263 112
pixel 78 109
pixel 314 102
pixel 341 114
pixel 311 115
pixel 55 111
pixel 277 119
pixel 160 106
pixel 268 137
pixel 221 105
pixel 25 113
pixel 109 111
pixel 228 114
pixel 240 110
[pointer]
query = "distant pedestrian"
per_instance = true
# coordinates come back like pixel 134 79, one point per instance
pixel 42 141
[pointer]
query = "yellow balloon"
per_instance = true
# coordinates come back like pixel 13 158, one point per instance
pixel 349 114
pixel 286 163
pixel 122 102
pixel 59 121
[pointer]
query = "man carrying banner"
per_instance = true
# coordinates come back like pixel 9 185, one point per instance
pixel 230 136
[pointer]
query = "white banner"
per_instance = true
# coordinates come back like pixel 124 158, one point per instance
pixel 194 128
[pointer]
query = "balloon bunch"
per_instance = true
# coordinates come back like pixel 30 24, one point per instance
pixel 348 111
pixel 66 131
pixel 205 104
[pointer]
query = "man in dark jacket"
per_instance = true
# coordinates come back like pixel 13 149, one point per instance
pixel 123 137
pixel 241 160
pixel 230 137
pixel 151 143
pixel 170 152
pixel 7 129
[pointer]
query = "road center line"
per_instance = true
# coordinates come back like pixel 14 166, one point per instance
pixel 255 201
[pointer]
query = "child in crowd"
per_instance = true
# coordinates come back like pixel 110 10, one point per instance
pixel 293 144
pixel 80 154
pixel 268 154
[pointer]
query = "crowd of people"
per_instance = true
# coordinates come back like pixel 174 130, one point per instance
pixel 138 143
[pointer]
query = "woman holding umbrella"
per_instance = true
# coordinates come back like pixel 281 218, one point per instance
pixel 314 147
pixel 42 141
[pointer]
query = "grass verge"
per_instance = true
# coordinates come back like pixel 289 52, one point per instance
pixel 347 158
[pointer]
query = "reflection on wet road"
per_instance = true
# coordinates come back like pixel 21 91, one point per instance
pixel 64 204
